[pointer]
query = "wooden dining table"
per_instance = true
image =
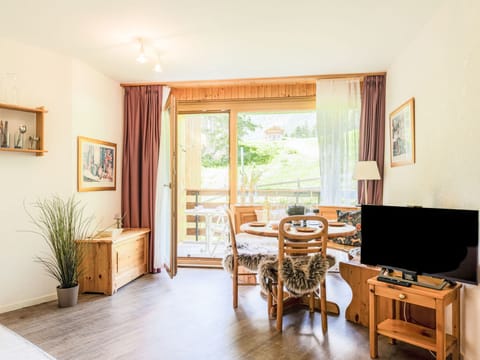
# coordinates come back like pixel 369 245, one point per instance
pixel 335 229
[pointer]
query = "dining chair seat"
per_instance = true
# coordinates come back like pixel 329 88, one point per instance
pixel 251 250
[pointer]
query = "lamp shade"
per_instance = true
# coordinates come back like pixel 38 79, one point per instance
pixel 366 170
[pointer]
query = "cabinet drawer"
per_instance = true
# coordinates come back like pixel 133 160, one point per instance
pixel 399 294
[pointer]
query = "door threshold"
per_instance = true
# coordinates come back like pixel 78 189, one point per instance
pixel 199 262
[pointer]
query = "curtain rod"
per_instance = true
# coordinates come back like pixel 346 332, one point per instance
pixel 252 81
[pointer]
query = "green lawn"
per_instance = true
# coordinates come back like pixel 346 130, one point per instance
pixel 297 159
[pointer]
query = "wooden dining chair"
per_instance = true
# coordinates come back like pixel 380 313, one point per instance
pixel 242 260
pixel 302 265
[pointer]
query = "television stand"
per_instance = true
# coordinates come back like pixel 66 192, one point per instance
pixel 436 339
pixel 387 275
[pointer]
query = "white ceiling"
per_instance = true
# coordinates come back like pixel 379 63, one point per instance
pixel 220 39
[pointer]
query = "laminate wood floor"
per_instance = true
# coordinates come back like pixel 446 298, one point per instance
pixel 191 317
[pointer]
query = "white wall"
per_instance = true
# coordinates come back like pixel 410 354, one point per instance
pixel 51 80
pixel 441 70
pixel 98 113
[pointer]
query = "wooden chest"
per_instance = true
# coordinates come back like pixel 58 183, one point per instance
pixel 109 263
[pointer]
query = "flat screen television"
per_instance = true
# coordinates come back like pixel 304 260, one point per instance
pixel 442 243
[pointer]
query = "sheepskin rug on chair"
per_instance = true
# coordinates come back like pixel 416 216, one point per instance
pixel 300 274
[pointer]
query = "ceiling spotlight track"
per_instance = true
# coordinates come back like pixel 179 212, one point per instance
pixel 141 58
pixel 147 54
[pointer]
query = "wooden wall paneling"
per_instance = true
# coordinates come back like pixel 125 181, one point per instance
pixel 245 92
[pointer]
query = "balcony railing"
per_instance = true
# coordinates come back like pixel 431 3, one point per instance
pixel 213 198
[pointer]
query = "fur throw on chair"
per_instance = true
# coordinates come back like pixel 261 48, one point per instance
pixel 251 251
pixel 300 274
pixel 250 261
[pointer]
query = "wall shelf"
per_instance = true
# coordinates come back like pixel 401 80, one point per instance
pixel 40 109
pixel 38 122
pixel 25 151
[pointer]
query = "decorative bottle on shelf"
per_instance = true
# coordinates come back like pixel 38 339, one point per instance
pixel 19 138
pixel 34 142
pixel 4 135
pixel 5 140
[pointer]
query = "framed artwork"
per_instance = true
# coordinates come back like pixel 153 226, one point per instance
pixel 97 165
pixel 402 134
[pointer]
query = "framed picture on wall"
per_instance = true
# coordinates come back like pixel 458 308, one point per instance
pixel 402 134
pixel 97 165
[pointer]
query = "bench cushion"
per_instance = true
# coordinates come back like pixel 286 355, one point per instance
pixel 353 218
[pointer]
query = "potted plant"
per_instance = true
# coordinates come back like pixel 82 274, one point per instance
pixel 61 222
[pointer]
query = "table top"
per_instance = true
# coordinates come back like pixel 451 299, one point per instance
pixel 267 230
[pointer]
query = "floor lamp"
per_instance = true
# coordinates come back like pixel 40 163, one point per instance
pixel 366 170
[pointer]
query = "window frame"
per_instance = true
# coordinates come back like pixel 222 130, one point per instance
pixel 238 106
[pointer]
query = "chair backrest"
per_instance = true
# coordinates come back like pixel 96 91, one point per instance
pixel 301 241
pixel 243 214
pixel 231 224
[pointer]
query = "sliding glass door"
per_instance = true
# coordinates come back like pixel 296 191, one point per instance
pixel 250 152
pixel 203 168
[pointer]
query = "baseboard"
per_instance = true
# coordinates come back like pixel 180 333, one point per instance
pixel 26 303
pixel 199 262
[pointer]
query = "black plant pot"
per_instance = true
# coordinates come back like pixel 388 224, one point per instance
pixel 295 210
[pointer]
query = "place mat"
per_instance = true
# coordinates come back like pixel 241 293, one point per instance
pixel 306 229
pixel 336 224
pixel 257 224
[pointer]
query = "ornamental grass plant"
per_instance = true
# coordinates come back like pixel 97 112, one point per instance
pixel 60 222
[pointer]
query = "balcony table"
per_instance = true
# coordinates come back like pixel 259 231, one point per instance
pixel 210 215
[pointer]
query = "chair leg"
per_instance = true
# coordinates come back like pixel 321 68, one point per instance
pixel 323 305
pixel 269 299
pixel 311 301
pixel 279 305
pixel 235 286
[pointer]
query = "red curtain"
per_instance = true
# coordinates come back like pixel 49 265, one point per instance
pixel 372 135
pixel 141 144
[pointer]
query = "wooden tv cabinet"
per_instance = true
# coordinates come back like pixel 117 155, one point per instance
pixel 109 263
pixel 435 339
pixel 356 276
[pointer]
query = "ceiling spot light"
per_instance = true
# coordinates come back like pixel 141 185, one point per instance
pixel 141 58
pixel 157 68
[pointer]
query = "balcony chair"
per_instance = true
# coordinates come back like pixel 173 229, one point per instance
pixel 300 269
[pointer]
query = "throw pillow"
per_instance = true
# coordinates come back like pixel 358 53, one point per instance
pixel 353 218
